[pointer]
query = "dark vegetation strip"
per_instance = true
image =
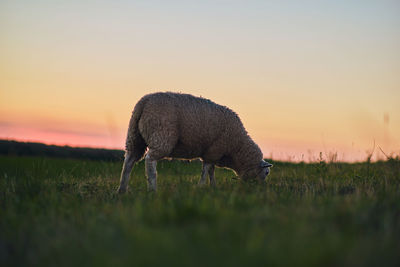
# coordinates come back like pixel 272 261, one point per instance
pixel 14 148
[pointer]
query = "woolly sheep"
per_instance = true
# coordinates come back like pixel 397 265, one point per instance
pixel 183 126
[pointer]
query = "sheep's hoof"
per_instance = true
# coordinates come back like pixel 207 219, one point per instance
pixel 121 190
pixel 200 184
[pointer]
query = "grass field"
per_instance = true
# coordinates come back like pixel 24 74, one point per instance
pixel 64 212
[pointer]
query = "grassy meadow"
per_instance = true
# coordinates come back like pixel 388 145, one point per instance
pixel 64 212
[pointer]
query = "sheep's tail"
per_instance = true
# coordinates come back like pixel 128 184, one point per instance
pixel 135 144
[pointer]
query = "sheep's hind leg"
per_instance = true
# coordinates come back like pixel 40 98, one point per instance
pixel 161 143
pixel 151 173
pixel 126 171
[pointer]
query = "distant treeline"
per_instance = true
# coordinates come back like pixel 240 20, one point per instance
pixel 15 148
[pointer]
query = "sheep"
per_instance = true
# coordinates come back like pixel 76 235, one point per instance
pixel 175 125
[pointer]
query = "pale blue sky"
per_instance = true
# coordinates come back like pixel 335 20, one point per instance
pixel 294 70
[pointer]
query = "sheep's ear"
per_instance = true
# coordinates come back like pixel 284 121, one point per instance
pixel 265 164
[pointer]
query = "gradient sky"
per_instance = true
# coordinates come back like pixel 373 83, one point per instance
pixel 304 76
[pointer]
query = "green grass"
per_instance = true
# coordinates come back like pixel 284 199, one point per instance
pixel 58 212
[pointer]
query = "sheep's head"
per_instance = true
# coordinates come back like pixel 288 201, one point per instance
pixel 259 172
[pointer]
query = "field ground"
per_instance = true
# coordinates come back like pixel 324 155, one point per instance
pixel 64 212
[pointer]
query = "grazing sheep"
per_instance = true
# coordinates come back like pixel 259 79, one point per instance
pixel 183 126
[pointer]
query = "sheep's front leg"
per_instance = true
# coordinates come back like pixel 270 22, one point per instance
pixel 211 171
pixel 208 169
pixel 204 173
pixel 151 173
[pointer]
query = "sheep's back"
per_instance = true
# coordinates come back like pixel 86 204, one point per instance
pixel 199 123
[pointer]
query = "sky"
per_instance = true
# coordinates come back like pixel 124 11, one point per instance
pixel 307 78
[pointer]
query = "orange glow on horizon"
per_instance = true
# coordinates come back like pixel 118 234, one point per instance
pixel 67 138
pixel 273 148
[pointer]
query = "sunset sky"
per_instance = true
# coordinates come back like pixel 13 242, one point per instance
pixel 304 76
